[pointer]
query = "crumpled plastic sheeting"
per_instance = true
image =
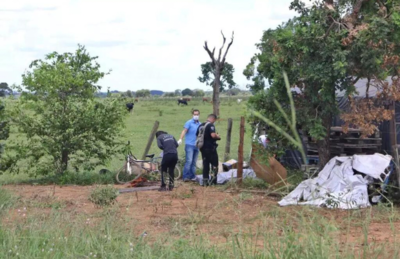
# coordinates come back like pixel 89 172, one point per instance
pixel 224 177
pixel 336 186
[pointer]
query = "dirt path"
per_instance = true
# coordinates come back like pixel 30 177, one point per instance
pixel 209 210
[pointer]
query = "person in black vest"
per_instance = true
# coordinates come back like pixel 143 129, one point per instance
pixel 168 144
pixel 209 150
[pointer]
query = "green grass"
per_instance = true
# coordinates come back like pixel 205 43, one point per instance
pixel 140 122
pixel 301 234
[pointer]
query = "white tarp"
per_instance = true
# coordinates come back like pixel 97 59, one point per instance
pixel 227 176
pixel 336 186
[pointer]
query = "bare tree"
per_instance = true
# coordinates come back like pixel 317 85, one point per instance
pixel 218 66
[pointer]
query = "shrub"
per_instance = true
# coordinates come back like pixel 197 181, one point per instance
pixel 7 200
pixel 104 195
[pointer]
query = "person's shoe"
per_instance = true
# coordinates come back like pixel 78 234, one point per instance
pixel 206 183
pixel 186 180
pixel 194 179
pixel 162 189
pixel 170 188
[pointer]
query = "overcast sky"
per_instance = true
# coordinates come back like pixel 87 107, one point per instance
pixel 148 44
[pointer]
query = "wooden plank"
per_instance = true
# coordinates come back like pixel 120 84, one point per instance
pixel 138 189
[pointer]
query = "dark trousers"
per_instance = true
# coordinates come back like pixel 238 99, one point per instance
pixel 210 157
pixel 168 164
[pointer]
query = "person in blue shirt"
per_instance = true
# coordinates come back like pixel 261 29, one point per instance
pixel 192 152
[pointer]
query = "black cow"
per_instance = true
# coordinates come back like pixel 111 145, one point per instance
pixel 129 106
pixel 183 102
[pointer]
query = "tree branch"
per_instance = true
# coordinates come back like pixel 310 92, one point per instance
pixel 355 80
pixel 223 44
pixel 211 54
pixel 227 49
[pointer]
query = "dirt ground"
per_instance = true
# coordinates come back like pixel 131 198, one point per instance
pixel 206 210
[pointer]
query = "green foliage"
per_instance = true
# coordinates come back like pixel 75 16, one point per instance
pixel 178 92
pixel 129 94
pixel 207 71
pixel 291 122
pixel 62 123
pixel 187 92
pixel 5 89
pixel 251 183
pixel 198 93
pixel 104 195
pixel 4 128
pixel 7 200
pixel 170 94
pixel 143 93
pixel 233 91
pixel 323 50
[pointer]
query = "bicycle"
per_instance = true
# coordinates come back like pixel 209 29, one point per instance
pixel 133 168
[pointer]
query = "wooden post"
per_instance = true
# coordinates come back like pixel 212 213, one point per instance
pixel 240 153
pixel 228 140
pixel 151 138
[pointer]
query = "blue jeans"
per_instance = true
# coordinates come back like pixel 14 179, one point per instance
pixel 189 171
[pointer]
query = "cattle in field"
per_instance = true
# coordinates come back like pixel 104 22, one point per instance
pixel 183 102
pixel 129 106
pixel 186 99
pixel 239 100
pixel 136 100
pixel 205 100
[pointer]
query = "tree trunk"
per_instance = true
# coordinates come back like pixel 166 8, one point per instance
pixel 217 85
pixel 64 160
pixel 324 151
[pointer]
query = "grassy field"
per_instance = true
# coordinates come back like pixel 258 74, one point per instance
pixel 191 222
pixel 172 117
pixel 42 220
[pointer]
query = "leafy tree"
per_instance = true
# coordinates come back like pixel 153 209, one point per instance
pixel 226 76
pixel 178 92
pixel 143 93
pixel 5 90
pixel 217 68
pixel 63 123
pixel 233 91
pixel 328 47
pixel 129 94
pixel 170 94
pixel 187 92
pixel 4 129
pixel 198 93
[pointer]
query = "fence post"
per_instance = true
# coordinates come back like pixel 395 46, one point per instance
pixel 228 140
pixel 151 138
pixel 240 153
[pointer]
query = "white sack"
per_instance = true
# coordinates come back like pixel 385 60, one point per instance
pixel 373 165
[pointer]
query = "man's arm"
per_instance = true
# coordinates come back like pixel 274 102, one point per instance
pixel 184 131
pixel 160 144
pixel 176 143
pixel 213 134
